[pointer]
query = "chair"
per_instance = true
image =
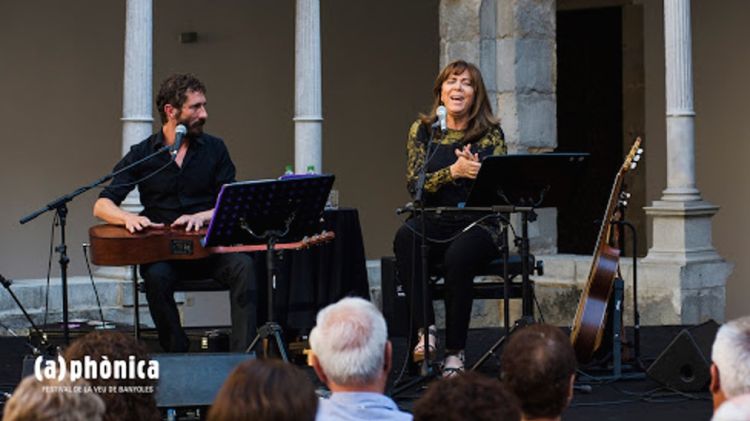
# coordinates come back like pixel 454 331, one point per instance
pixel 182 286
pixel 395 307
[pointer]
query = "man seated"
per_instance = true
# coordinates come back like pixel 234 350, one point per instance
pixel 179 191
pixel 538 366
pixel 730 355
pixel 351 354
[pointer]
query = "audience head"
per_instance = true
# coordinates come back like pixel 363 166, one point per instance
pixel 730 371
pixel 350 345
pixel 735 409
pixel 468 396
pixel 117 346
pixel 265 390
pixel 35 400
pixel 538 365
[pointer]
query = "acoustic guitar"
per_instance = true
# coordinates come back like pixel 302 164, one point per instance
pixel 588 325
pixel 113 245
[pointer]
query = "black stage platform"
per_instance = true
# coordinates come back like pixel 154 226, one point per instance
pixel 644 400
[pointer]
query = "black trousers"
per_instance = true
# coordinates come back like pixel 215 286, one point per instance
pixel 458 261
pixel 234 270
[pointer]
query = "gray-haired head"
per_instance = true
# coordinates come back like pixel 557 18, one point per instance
pixel 349 341
pixel 731 354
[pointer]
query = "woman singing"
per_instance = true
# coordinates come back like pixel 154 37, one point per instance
pixel 455 158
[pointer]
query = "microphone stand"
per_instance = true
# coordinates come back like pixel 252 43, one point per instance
pixel 426 371
pixel 59 205
pixel 42 336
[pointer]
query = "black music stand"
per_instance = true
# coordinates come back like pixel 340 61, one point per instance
pixel 267 211
pixel 524 182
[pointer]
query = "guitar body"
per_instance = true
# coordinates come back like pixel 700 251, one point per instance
pixel 113 245
pixel 587 334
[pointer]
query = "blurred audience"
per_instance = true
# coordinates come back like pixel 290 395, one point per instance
pixel 117 346
pixel 538 366
pixel 351 354
pixel 50 399
pixel 730 355
pixel 467 396
pixel 265 390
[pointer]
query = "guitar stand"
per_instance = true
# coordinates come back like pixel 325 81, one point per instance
pixel 622 371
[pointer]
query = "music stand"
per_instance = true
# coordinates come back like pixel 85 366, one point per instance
pixel 267 211
pixel 524 182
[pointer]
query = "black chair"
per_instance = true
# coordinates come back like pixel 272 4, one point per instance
pixel 197 285
pixel 395 304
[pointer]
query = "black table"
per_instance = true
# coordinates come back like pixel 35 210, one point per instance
pixel 308 280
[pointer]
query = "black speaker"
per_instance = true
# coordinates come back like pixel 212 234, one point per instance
pixel 192 380
pixel 395 306
pixel 685 363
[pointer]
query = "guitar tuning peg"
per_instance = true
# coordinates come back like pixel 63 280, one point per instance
pixel 633 165
pixel 640 151
pixel 637 158
pixel 624 195
pixel 624 203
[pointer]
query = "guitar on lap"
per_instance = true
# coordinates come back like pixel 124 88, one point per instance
pixel 113 245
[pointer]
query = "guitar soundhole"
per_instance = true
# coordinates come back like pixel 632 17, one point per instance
pixel 182 247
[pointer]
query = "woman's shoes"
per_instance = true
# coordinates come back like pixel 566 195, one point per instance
pixel 432 341
pixel 453 364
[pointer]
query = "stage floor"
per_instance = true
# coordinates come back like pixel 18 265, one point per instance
pixel 643 399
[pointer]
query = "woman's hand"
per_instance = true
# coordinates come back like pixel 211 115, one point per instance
pixel 467 165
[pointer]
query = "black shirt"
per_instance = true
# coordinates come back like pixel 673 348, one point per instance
pixel 174 191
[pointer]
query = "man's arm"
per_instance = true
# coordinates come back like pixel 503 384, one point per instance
pixel 106 210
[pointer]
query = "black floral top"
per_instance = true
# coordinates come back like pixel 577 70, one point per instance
pixel 440 189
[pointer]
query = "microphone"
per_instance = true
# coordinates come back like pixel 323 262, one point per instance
pixel 441 113
pixel 179 132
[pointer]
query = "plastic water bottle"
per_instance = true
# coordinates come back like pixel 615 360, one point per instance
pixel 288 170
pixel 311 169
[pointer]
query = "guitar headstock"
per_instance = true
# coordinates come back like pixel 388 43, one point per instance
pixel 323 237
pixel 631 161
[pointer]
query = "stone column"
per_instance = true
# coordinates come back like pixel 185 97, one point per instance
pixel 682 261
pixel 308 118
pixel 137 120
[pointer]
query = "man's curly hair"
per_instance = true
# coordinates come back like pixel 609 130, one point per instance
pixel 467 396
pixel 537 365
pixel 174 90
pixel 117 346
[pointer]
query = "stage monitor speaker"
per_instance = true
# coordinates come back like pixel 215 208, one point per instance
pixel 395 306
pixel 685 363
pixel 193 380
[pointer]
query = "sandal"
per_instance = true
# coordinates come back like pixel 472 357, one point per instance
pixel 418 352
pixel 453 364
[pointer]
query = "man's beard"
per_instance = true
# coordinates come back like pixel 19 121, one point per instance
pixel 195 129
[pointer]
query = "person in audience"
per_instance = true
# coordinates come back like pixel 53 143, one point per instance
pixel 735 409
pixel 467 396
pixel 538 366
pixel 53 400
pixel 265 390
pixel 117 346
pixel 351 354
pixel 730 355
